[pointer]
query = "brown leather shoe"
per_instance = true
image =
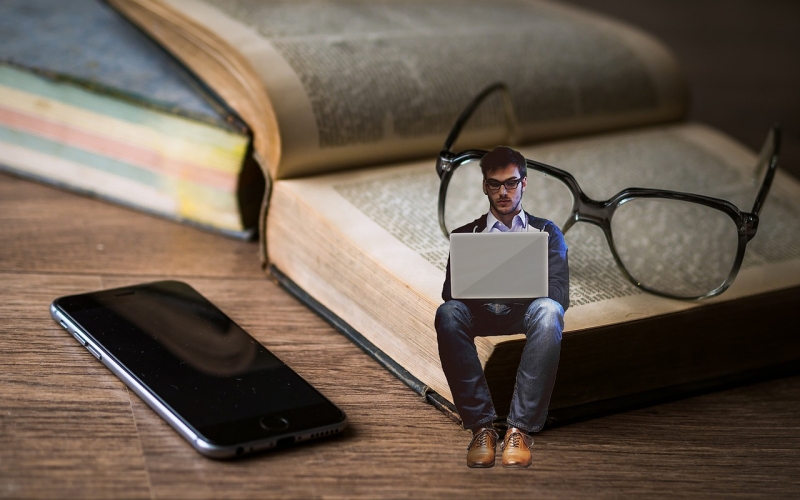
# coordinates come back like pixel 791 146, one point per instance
pixel 517 449
pixel 480 452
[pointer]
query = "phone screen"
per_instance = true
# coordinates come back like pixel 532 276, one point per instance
pixel 198 362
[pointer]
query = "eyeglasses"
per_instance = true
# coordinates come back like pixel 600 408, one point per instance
pixel 510 184
pixel 669 243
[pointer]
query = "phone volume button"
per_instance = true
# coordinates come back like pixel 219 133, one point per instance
pixel 94 351
pixel 78 337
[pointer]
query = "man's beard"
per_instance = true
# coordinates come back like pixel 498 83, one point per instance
pixel 509 208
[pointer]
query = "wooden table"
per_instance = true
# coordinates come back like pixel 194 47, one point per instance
pixel 69 428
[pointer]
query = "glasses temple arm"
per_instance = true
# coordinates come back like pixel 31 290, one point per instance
pixel 770 164
pixel 463 118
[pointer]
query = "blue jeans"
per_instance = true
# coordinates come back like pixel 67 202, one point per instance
pixel 457 325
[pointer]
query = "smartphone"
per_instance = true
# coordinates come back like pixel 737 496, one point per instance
pixel 209 379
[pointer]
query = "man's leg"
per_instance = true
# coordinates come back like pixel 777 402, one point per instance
pixel 459 357
pixel 536 375
pixel 455 332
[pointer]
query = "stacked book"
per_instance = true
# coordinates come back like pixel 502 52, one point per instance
pixel 90 103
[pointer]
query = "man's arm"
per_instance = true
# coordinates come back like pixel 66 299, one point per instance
pixel 446 293
pixel 558 266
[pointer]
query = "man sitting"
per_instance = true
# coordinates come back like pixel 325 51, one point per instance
pixel 542 321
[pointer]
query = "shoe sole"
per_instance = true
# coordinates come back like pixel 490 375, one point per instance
pixel 480 466
pixel 517 466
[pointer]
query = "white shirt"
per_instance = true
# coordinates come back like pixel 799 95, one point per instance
pixel 518 223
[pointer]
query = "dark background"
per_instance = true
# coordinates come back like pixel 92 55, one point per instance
pixel 741 57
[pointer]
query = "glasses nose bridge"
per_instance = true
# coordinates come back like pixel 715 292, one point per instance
pixel 594 212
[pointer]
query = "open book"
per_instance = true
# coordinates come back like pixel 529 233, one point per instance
pixel 330 86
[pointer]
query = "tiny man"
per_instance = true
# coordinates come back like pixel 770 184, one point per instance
pixel 542 321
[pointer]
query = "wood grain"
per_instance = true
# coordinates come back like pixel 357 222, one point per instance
pixel 47 230
pixel 66 427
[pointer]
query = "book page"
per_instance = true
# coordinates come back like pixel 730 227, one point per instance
pixel 391 214
pixel 359 83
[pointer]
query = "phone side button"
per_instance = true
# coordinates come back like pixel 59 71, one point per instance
pixel 74 333
pixel 93 351
pixel 78 337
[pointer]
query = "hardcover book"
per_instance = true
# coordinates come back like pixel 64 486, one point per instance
pixel 89 103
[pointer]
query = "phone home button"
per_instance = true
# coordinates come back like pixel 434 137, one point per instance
pixel 274 423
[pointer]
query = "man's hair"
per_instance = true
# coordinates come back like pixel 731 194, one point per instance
pixel 500 157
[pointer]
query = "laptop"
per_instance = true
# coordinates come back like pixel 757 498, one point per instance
pixel 499 265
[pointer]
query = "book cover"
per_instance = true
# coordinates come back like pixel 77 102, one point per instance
pixel 90 103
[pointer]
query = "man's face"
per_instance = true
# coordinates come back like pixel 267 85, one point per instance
pixel 504 201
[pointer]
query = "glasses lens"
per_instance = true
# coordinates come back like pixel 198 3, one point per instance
pixel 544 196
pixel 678 248
pixel 493 184
pixel 547 197
pixel 465 200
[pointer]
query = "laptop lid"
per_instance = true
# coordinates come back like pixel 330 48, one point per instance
pixel 499 265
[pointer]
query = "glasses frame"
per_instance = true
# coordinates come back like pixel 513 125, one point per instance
pixel 601 212
pixel 516 182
